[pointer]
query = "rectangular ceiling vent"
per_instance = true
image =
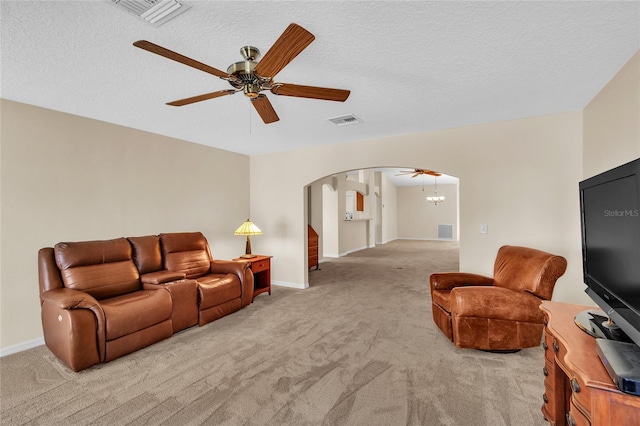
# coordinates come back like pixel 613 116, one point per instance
pixel 345 120
pixel 155 12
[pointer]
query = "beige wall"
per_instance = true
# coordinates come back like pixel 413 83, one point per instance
pixel 519 177
pixel 612 122
pixel 419 219
pixel 68 178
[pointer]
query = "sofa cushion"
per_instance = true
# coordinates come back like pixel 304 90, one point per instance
pixel 217 288
pixel 135 311
pixel 146 253
pixel 186 252
pixel 103 269
pixel 497 303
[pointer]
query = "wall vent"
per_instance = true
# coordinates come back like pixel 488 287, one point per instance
pixel 345 120
pixel 445 232
pixel 155 12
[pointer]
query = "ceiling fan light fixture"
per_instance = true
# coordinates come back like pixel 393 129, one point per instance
pixel 251 90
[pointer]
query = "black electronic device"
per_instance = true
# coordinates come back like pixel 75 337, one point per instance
pixel 610 224
pixel 610 219
pixel 622 362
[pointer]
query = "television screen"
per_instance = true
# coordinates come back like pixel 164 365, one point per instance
pixel 612 237
pixel 611 244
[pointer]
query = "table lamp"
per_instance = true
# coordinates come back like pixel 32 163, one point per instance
pixel 248 229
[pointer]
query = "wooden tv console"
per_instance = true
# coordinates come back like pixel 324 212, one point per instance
pixel 578 389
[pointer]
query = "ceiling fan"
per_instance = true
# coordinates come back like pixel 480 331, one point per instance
pixel 418 172
pixel 252 77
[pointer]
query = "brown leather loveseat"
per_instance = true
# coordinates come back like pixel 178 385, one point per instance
pixel 104 299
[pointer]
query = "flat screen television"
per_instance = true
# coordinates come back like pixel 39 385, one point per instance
pixel 610 218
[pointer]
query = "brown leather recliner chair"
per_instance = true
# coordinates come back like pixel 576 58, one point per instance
pixel 94 308
pixel 500 313
pixel 224 286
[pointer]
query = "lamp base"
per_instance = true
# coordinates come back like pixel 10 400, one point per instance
pixel 248 256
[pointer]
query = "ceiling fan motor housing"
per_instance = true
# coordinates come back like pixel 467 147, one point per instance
pixel 244 71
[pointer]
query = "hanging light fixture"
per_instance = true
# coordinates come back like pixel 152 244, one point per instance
pixel 435 199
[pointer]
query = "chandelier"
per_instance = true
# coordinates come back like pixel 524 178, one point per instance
pixel 436 199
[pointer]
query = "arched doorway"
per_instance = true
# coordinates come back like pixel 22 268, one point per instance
pixel 389 211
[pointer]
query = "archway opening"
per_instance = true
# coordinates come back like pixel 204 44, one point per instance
pixel 359 209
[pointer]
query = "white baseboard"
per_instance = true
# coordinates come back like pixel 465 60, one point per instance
pixel 290 285
pixel 21 347
pixel 336 256
pixel 353 250
pixel 428 239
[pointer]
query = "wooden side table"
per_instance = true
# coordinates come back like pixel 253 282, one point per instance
pixel 261 268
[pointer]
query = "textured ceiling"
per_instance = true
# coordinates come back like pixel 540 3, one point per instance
pixel 410 66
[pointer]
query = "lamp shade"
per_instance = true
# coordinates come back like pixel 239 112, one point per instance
pixel 248 228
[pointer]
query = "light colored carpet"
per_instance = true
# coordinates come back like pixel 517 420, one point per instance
pixel 356 348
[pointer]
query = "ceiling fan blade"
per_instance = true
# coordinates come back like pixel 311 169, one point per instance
pixel 194 99
pixel 312 92
pixel 264 108
pixel 431 172
pixel 292 41
pixel 170 54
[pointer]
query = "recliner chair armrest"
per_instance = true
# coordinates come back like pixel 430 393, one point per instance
pixel 240 268
pixel 230 267
pixel 451 280
pixel 66 298
pixel 505 304
pixel 69 299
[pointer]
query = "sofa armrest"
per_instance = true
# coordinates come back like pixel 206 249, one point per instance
pixel 69 299
pixel 161 277
pixel 451 280
pixel 66 298
pixel 241 269
pixel 230 267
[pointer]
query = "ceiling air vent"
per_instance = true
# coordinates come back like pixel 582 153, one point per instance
pixel 155 12
pixel 345 120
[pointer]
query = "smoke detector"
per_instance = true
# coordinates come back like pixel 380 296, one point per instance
pixel 155 12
